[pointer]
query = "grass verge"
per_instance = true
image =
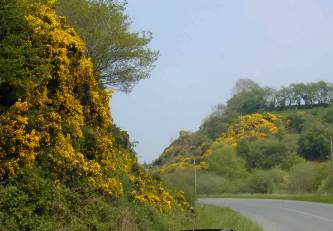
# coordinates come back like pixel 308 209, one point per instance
pixel 304 197
pixel 211 217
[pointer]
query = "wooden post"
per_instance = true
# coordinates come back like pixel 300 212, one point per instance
pixel 195 193
pixel 332 163
pixel 195 179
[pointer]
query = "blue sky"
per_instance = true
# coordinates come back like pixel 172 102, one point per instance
pixel 205 46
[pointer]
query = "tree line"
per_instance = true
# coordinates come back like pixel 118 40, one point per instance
pixel 303 94
pixel 248 97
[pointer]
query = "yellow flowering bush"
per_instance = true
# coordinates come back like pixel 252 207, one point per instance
pixel 147 190
pixel 252 127
pixel 182 152
pixel 61 121
pixel 18 144
pixel 66 98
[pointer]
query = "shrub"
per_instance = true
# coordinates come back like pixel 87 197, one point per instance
pixel 291 160
pixel 326 185
pixel 260 182
pixel 328 115
pixel 302 178
pixel 296 120
pixel 280 179
pixel 322 176
pixel 181 180
pixel 263 154
pixel 314 142
pixel 210 183
pixel 267 181
pixel 224 161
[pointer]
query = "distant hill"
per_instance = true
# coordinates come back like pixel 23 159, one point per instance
pixel 258 129
pixel 262 141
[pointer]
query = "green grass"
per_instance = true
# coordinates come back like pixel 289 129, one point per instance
pixel 210 217
pixel 304 197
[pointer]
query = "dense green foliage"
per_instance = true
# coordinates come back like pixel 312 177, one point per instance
pixel 31 202
pixel 121 57
pixel 229 165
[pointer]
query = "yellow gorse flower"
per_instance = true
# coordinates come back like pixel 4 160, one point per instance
pixel 252 127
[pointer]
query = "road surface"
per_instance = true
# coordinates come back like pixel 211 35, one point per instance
pixel 281 215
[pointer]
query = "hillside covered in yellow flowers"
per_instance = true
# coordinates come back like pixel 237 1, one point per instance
pixel 64 164
pixel 262 140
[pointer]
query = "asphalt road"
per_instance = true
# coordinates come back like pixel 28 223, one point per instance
pixel 281 215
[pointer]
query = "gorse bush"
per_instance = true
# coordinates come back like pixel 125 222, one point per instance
pixel 63 163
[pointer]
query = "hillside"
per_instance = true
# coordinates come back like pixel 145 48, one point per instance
pixel 262 140
pixel 64 164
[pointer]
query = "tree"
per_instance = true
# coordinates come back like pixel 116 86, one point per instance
pixel 284 97
pixel 322 92
pixel 314 143
pixel 297 90
pixel 244 85
pixel 296 121
pixel 215 123
pixel 121 58
pixel 262 154
pixel 250 101
pixel 330 93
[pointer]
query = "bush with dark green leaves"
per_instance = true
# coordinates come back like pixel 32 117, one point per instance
pixel 314 142
pixel 262 154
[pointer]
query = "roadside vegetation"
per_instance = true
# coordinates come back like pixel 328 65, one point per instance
pixel 64 164
pixel 210 217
